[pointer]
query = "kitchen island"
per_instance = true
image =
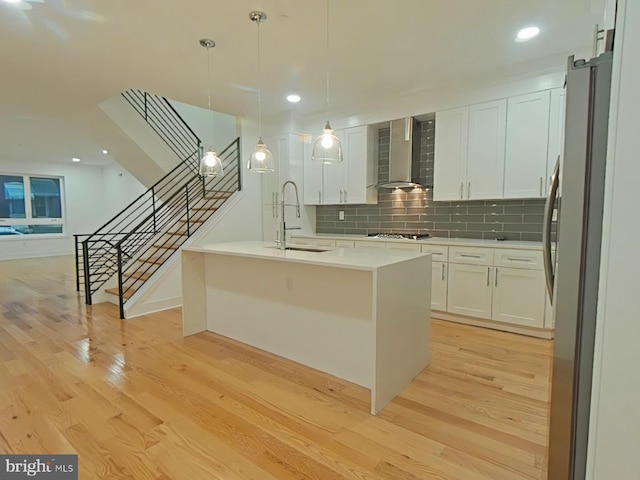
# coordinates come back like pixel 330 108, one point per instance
pixel 363 316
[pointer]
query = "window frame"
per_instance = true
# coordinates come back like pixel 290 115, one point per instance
pixel 29 219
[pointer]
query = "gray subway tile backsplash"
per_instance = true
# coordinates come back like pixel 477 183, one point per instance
pixel 415 211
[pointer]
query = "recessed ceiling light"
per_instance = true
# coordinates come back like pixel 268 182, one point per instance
pixel 13 1
pixel 75 159
pixel 293 98
pixel 527 34
pixel 105 151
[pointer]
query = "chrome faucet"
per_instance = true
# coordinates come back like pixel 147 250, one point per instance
pixel 283 224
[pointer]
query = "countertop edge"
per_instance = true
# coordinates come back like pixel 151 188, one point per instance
pixel 447 242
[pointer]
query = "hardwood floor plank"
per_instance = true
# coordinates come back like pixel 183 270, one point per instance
pixel 136 400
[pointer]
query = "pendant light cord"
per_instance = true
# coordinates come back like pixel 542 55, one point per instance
pixel 259 85
pixel 327 60
pixel 209 96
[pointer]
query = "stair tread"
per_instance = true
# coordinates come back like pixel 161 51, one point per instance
pixel 137 275
pixel 127 294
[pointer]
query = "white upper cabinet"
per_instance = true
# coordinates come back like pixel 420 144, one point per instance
pixel 351 181
pixel 527 145
pixel 556 131
pixel 272 181
pixel 359 144
pixel 313 178
pixel 335 177
pixel 284 148
pixel 486 150
pixel 450 161
pixel 501 149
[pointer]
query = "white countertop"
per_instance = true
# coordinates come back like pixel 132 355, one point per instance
pixel 356 259
pixel 467 242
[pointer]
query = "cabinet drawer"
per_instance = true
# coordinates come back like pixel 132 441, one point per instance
pixel 318 242
pixel 345 243
pixel 439 253
pixel 471 255
pixel 324 242
pixel 526 259
pixel 403 246
pixel 369 244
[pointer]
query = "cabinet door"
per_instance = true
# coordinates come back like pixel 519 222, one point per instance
pixel 450 161
pixel 556 131
pixel 527 145
pixel 469 290
pixel 270 224
pixel 271 180
pixel 439 286
pixel 519 297
pixel 355 145
pixel 334 177
pixel 313 181
pixel 369 244
pixel 485 163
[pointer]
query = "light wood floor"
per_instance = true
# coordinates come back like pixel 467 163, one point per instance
pixel 137 401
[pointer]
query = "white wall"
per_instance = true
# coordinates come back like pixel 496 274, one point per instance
pixel 158 158
pixel 92 195
pixel 120 189
pixel 244 222
pixel 615 421
pixel 225 128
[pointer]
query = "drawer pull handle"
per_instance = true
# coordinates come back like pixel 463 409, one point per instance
pixel 470 256
pixel 519 260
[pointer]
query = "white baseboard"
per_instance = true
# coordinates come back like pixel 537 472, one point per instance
pixel 153 307
pixel 18 256
pixel 504 327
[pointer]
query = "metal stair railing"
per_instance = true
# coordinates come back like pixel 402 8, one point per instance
pixel 176 133
pixel 123 238
pixel 137 229
pixel 165 121
pixel 178 218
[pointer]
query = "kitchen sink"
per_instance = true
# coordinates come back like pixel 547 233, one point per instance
pixel 305 249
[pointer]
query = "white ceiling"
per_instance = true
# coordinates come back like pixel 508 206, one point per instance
pixel 63 57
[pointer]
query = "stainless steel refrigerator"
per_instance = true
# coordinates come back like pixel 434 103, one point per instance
pixel 572 270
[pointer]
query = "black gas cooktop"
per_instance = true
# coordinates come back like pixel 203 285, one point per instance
pixel 399 236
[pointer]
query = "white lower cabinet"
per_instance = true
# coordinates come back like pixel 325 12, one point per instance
pixel 439 276
pixel 469 290
pixel 504 285
pixel 368 244
pixel 519 297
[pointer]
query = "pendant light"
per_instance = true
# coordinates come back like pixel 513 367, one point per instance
pixel 210 163
pixel 261 159
pixel 327 147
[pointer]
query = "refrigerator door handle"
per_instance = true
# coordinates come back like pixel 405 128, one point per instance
pixel 546 230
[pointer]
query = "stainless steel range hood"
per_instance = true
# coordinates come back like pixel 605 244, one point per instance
pixel 404 155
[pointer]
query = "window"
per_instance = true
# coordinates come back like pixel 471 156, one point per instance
pixel 31 205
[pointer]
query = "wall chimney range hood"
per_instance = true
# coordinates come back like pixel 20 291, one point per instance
pixel 404 166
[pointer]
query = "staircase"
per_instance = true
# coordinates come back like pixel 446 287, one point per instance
pixel 126 251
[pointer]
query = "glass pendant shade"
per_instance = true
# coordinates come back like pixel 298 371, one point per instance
pixel 211 165
pixel 261 159
pixel 327 147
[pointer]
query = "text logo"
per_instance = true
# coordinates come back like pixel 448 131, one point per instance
pixel 45 467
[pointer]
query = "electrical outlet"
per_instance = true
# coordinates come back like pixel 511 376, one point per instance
pixel 341 215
